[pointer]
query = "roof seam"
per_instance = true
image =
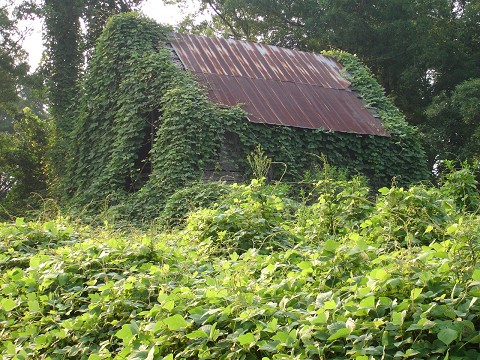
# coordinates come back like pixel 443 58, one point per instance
pixel 275 80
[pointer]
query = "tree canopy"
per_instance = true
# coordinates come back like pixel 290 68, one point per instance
pixel 13 68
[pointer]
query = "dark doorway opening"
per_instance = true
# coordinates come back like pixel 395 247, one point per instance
pixel 143 162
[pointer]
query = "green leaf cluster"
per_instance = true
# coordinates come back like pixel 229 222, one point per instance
pixel 24 164
pixel 390 284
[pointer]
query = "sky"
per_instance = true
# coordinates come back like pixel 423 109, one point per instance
pixel 155 9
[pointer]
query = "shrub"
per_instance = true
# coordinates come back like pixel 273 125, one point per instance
pixel 406 217
pixel 184 201
pixel 252 216
pixel 461 186
pixel 23 165
pixel 335 203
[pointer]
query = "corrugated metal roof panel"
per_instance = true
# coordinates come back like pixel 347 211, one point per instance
pixel 276 85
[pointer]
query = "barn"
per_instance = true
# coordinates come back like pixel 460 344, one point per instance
pixel 160 110
pixel 274 86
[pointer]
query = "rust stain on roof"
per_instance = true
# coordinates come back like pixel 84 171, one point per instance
pixel 275 85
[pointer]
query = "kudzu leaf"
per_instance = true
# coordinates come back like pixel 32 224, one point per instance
pixel 33 306
pixel 368 303
pixel 415 293
pixel 246 339
pixel 384 190
pixel 340 333
pixel 362 245
pixel 272 325
pixel 452 229
pixel 134 327
pixel 320 319
pixel 385 338
pixel 281 336
pixel 476 275
pixel 175 322
pixel 398 317
pixel 330 305
pixel 428 229
pixel 378 274
pixel 8 304
pixel 125 333
pixel 306 266
pixel 447 336
pixel 331 245
pixel 354 236
pixel 169 305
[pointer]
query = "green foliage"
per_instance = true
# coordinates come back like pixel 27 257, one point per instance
pixel 24 164
pixel 194 197
pixel 409 216
pixel 248 278
pixel 412 162
pixel 455 118
pixel 13 68
pixel 190 136
pixel 110 130
pixel 140 110
pixel 259 163
pixel 335 203
pixel 95 16
pixel 68 43
pixel 64 60
pixel 252 216
pixel 461 186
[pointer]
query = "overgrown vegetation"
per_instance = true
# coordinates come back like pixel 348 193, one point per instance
pixel 255 275
pixel 24 165
pixel 146 129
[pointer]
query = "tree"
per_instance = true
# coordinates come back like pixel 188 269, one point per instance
pixel 66 45
pixel 23 164
pixel 455 120
pixel 64 57
pixel 13 68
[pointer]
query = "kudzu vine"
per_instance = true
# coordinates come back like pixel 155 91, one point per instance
pixel 137 98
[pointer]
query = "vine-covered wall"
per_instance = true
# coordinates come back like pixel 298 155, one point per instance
pixel 140 110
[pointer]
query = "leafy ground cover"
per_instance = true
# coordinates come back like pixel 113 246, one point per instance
pixel 257 274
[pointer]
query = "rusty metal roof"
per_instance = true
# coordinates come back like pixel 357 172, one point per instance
pixel 276 85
